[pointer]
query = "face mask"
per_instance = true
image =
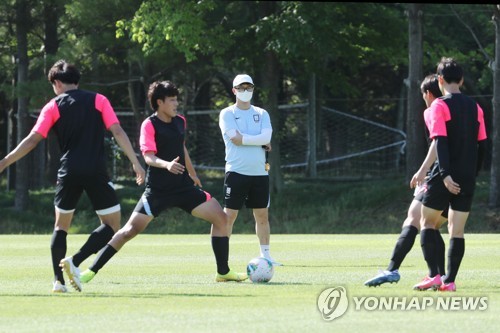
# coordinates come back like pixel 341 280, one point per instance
pixel 244 96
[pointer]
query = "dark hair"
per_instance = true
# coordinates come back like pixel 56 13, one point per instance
pixel 430 83
pixel 450 70
pixel 64 72
pixel 159 90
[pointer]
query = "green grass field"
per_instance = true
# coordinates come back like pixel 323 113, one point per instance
pixel 165 283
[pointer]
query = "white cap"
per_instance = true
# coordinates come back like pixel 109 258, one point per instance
pixel 242 78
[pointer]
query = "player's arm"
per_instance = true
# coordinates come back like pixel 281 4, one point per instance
pixel 443 155
pixel 124 142
pixel 22 149
pixel 173 166
pixel 420 175
pixel 481 152
pixel 190 168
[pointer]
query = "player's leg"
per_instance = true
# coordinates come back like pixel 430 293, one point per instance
pixel 135 225
pixel 67 194
pixel 235 191
pixel 404 244
pixel 102 194
pixel 231 214
pixel 58 247
pixel 457 220
pixel 428 241
pixel 209 209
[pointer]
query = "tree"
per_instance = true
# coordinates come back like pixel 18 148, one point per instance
pixel 415 147
pixel 494 199
pixel 22 172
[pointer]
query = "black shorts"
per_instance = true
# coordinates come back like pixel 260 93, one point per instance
pixel 99 189
pixel 153 202
pixel 436 196
pixel 419 194
pixel 251 190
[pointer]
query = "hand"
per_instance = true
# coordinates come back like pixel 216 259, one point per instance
pixel 196 180
pixel 453 187
pixel 267 147
pixel 418 178
pixel 175 167
pixel 237 139
pixel 140 174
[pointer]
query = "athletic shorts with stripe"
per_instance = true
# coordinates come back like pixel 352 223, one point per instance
pixel 99 188
pixel 253 191
pixel 153 202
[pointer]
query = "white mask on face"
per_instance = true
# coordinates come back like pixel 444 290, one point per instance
pixel 244 96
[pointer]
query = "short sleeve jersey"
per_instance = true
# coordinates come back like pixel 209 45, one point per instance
pixel 166 141
pixel 80 119
pixel 246 160
pixel 460 119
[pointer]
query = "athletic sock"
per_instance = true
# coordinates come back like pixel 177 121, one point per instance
pixel 440 253
pixel 428 243
pixel 97 239
pixel 58 247
pixel 455 255
pixel 264 251
pixel 220 246
pixel 403 246
pixel 102 258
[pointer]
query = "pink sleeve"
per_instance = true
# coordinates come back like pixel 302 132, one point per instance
pixel 47 119
pixel 147 139
pixel 482 128
pixel 436 117
pixel 184 119
pixel 108 114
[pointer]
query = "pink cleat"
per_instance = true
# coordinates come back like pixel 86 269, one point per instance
pixel 448 287
pixel 429 283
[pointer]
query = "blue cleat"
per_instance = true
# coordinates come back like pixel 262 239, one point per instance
pixel 384 277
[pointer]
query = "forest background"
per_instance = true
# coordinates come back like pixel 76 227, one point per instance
pixel 366 59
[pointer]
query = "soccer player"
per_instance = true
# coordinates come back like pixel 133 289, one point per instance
pixel 411 225
pixel 79 119
pixel 171 181
pixel 456 122
pixel 246 131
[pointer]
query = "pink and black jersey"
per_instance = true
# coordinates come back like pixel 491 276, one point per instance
pixel 460 119
pixel 80 119
pixel 166 141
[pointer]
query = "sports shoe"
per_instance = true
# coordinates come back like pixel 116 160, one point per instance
pixel 86 276
pixel 230 276
pixel 72 271
pixel 428 283
pixel 384 277
pixel 448 287
pixel 273 262
pixel 59 287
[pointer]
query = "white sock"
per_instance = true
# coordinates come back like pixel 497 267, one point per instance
pixel 264 251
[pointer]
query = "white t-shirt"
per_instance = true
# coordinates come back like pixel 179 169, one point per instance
pixel 247 160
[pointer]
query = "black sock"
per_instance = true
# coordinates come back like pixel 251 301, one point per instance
pixel 58 249
pixel 403 246
pixel 455 255
pixel 102 258
pixel 440 253
pixel 97 239
pixel 428 243
pixel 220 246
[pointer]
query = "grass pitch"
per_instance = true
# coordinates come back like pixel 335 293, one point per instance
pixel 165 283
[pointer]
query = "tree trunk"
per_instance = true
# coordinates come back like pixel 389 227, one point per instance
pixel 51 43
pixel 270 78
pixel 494 198
pixel 415 140
pixel 21 200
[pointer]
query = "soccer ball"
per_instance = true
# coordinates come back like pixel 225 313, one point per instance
pixel 260 270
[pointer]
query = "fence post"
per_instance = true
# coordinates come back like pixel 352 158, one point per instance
pixel 311 161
